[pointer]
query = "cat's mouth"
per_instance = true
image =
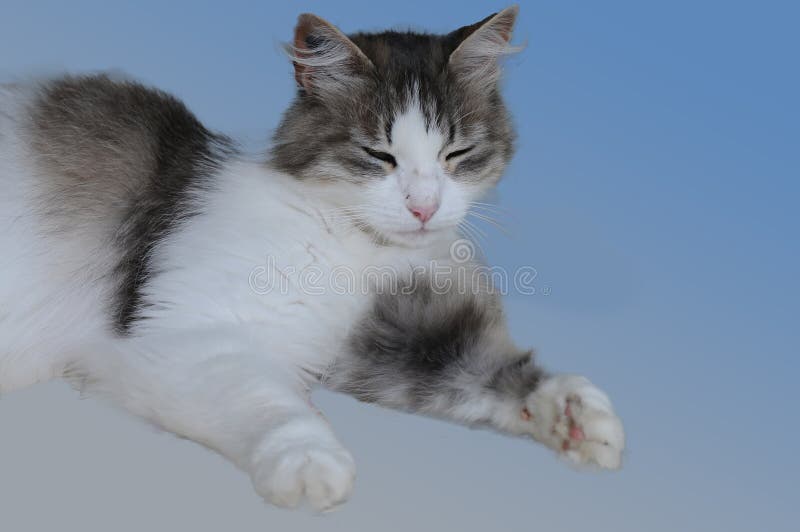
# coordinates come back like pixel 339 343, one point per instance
pixel 419 231
pixel 419 237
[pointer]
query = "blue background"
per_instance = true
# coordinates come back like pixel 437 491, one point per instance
pixel 655 192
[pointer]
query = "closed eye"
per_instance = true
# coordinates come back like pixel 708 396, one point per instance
pixel 457 153
pixel 381 156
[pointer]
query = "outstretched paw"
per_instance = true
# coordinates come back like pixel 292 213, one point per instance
pixel 321 475
pixel 570 415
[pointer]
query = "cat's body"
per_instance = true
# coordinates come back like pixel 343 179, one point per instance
pixel 147 260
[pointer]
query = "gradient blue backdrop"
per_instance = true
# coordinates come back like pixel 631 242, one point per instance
pixel 655 191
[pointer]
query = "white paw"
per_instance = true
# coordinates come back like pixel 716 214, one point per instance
pixel 575 418
pixel 321 475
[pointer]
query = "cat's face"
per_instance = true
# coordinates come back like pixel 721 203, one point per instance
pixel 406 129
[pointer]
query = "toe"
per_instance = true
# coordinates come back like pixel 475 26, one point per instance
pixel 602 455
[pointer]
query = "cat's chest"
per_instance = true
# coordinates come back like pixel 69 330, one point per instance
pixel 317 272
pixel 286 275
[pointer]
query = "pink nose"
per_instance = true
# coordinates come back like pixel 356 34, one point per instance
pixel 424 212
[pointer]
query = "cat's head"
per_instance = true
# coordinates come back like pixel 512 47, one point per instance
pixel 406 129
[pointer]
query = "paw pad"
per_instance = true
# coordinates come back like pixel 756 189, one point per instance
pixel 575 418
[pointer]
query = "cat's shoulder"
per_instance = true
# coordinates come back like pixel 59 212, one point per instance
pixel 114 124
pixel 100 142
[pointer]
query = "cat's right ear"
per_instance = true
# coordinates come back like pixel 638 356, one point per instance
pixel 325 60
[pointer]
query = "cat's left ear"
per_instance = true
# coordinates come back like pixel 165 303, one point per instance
pixel 325 61
pixel 480 46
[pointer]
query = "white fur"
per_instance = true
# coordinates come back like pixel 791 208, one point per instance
pixel 215 359
pixel 419 178
pixel 589 410
pixel 299 461
pixel 50 297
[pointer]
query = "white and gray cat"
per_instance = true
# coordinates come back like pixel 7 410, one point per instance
pixel 130 234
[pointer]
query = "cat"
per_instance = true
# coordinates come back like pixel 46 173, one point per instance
pixel 137 247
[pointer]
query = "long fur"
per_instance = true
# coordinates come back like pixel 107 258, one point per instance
pixel 146 260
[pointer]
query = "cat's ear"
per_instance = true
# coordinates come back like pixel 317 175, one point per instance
pixel 480 46
pixel 325 60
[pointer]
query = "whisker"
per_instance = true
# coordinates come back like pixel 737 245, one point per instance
pixel 491 221
pixel 489 207
pixel 476 228
pixel 473 234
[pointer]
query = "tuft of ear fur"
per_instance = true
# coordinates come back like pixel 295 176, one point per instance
pixel 482 45
pixel 325 61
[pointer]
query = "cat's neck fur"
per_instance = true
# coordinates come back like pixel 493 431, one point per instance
pixel 327 204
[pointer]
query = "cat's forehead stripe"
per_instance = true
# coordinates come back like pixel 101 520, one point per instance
pixel 416 138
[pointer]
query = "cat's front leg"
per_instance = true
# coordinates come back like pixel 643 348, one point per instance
pixel 300 459
pixel 218 389
pixel 449 355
